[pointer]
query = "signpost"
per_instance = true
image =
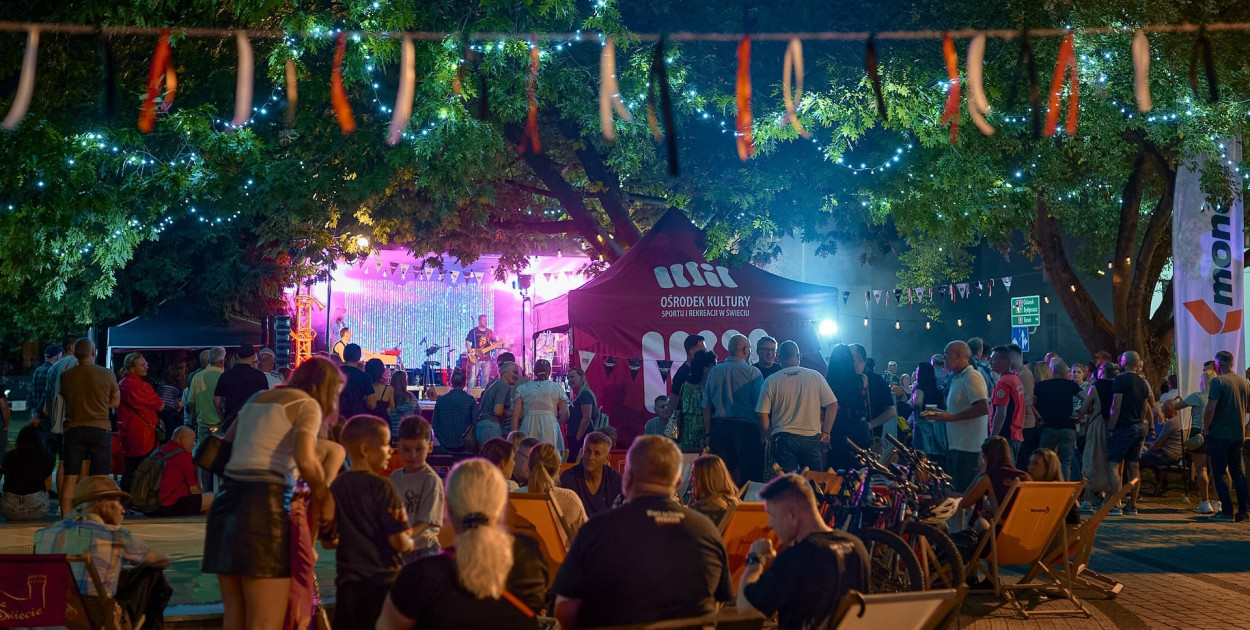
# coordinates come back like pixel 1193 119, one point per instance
pixel 1020 337
pixel 1026 311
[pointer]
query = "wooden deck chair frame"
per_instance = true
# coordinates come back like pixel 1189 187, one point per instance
pixel 748 509
pixel 83 612
pixel 750 491
pixel 1007 548
pixel 855 606
pixel 1081 546
pixel 555 539
pixel 828 482
pixel 728 619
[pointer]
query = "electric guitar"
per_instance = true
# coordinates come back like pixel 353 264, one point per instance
pixel 478 353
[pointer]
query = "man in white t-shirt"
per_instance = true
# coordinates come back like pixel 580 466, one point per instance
pixel 967 416
pixel 790 408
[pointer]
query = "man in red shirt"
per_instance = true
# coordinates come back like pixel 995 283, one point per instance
pixel 180 492
pixel 1007 400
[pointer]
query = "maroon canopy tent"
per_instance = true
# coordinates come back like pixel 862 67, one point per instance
pixel 627 325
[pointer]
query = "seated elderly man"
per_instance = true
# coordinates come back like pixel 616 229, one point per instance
pixel 179 492
pixel 93 526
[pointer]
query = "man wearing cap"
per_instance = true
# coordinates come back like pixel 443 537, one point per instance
pixel 238 384
pixel 94 527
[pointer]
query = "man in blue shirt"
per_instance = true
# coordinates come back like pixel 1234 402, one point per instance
pixel 729 398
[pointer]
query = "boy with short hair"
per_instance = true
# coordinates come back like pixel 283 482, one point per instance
pixel 419 487
pixel 370 526
pixel 655 426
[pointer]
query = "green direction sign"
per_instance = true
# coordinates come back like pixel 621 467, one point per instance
pixel 1026 311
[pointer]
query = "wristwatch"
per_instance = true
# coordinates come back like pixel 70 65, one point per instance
pixel 754 559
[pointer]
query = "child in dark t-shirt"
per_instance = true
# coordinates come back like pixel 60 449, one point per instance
pixel 370 526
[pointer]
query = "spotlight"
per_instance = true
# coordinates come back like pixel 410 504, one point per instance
pixel 362 241
pixel 828 328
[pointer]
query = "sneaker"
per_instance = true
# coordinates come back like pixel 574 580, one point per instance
pixel 1221 518
pixel 1115 512
pixel 1086 507
pixel 1205 507
pixel 1218 506
pixel 1130 511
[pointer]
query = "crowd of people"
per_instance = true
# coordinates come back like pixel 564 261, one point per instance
pixel 309 451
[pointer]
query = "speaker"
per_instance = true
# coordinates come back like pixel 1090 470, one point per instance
pixel 282 340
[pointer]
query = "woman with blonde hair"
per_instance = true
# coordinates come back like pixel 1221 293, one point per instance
pixel 137 415
pixel 463 587
pixel 544 463
pixel 1044 465
pixel 712 490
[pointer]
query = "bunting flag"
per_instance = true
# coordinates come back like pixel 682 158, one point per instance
pixel 1066 65
pixel 25 82
pixel 407 87
pixel 666 367
pixel 1006 283
pixel 743 122
pixel 1141 71
pixel 920 294
pixel 1202 47
pixel 243 79
pixel 428 272
pixel 990 289
pixel 586 357
pixel 909 297
pixel 980 288
pixel 793 62
pixel 292 93
pixel 609 90
pixel 108 102
pixel 403 271
pixel 659 82
pixel 547 277
pixel 963 289
pixel 951 292
pixel 156 74
pixel 898 297
pixel 930 294
pixel 377 264
pixel 455 275
pixel 846 295
pixel 609 364
pixel 870 65
pixel 876 295
pixel 950 114
pixel 885 295
pixel 978 105
pixel 634 366
pixel 338 93
pixel 867 299
pixel 531 95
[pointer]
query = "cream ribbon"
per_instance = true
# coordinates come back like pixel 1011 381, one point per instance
pixel 978 106
pixel 244 81
pixel 407 87
pixel 1141 71
pixel 25 84
pixel 793 63
pixel 609 90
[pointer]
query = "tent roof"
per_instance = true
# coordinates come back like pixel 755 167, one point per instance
pixel 179 325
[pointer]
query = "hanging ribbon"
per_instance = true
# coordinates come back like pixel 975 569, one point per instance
pixel 457 82
pixel 171 86
pixel 25 83
pixel 793 62
pixel 1141 71
pixel 951 112
pixel 108 102
pixel 743 134
pixel 243 84
pixel 338 93
pixel 609 90
pixel 1029 63
pixel 156 73
pixel 978 105
pixel 292 93
pixel 1065 65
pixel 1202 47
pixel 407 87
pixel 531 93
pixel 870 64
pixel 659 83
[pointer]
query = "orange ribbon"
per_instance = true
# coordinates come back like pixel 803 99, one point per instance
pixel 1065 65
pixel 950 114
pixel 338 93
pixel 160 70
pixel 531 93
pixel 746 140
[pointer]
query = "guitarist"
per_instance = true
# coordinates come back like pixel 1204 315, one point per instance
pixel 478 339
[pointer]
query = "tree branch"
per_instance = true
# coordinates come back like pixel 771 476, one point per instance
pixel 532 189
pixel 1091 324
pixel 1162 322
pixel 540 227
pixel 597 172
pixel 1122 269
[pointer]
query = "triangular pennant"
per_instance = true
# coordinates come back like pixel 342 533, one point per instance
pixel 898 297
pixel 876 295
pixel 403 270
pixel 920 294
pixel 634 366
pixel 547 277
pixel 609 364
pixel 428 271
pixel 886 296
pixel 586 357
pixel 666 366
pixel 846 295
pixel 1007 283
pixel 991 288
pixel 377 265
pixel 930 294
pixel 980 288
pixel 951 292
pixel 909 297
pixel 963 289
pixel 867 299
pixel 455 275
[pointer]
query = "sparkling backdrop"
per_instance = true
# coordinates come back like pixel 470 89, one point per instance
pixel 383 313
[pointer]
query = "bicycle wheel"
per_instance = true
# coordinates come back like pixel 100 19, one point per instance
pixel 894 567
pixel 938 555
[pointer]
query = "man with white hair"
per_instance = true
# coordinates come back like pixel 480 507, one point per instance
pixel 649 560
pixel 268 361
pixel 207 418
pixel 730 395
pixel 967 416
pixel 796 410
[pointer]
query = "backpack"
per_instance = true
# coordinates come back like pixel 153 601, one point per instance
pixel 145 486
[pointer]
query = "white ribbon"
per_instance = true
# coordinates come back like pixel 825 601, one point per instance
pixel 407 87
pixel 978 106
pixel 1141 71
pixel 793 62
pixel 25 84
pixel 609 90
pixel 243 82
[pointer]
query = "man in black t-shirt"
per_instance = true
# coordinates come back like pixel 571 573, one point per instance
pixel 357 396
pixel 766 349
pixel 475 343
pixel 803 584
pixel 648 560
pixel 880 399
pixel 238 384
pixel 692 345
pixel 1130 405
pixel 1056 400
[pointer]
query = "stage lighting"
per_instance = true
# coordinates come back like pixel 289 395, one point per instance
pixel 362 241
pixel 828 328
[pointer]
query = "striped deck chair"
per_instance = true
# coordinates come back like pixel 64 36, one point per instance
pixel 1021 534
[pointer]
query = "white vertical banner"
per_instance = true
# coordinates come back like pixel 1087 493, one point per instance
pixel 1207 285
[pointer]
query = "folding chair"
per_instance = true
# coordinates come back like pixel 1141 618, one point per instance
pixel 1022 532
pixel 535 515
pixel 897 611
pixel 827 482
pixel 750 491
pixel 1081 545
pixel 40 590
pixel 745 523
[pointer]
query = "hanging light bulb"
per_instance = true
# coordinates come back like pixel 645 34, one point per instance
pixel 865 321
pixel 928 325
pixel 988 317
pixel 959 322
pixel 1046 299
pixel 897 325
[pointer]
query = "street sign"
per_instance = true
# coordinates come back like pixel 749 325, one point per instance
pixel 1026 311
pixel 1020 337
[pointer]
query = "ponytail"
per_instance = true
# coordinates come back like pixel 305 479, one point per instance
pixel 476 497
pixel 543 460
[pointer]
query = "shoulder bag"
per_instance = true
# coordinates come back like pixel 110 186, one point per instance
pixel 213 453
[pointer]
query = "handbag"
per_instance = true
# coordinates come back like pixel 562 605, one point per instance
pixel 469 439
pixel 672 430
pixel 213 453
pixel 1195 442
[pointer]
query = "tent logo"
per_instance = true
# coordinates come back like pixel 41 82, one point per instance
pixel 693 274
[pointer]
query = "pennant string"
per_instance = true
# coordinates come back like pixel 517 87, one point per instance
pixel 292 93
pixel 157 72
pixel 243 86
pixel 874 75
pixel 1066 64
pixel 743 122
pixel 793 62
pixel 951 112
pixel 531 94
pixel 609 90
pixel 978 105
pixel 1141 71
pixel 338 93
pixel 25 82
pixel 407 87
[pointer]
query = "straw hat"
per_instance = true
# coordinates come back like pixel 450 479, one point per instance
pixel 97 487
